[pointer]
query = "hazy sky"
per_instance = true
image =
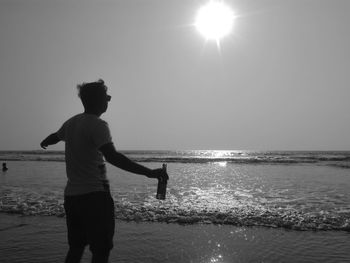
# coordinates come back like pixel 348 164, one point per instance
pixel 279 82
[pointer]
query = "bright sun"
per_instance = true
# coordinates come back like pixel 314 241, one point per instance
pixel 214 20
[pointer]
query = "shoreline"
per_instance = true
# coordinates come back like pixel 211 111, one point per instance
pixel 43 239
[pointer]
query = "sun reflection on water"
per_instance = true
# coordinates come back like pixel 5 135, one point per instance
pixel 222 164
pixel 216 259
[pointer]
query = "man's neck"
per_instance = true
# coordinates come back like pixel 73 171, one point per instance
pixel 93 112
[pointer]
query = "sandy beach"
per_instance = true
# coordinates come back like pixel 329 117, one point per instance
pixel 43 239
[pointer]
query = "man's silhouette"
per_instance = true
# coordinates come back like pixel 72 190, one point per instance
pixel 88 203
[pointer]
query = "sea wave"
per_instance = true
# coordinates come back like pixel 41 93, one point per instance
pixel 152 210
pixel 336 159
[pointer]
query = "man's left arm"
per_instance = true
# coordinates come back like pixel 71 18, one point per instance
pixel 50 140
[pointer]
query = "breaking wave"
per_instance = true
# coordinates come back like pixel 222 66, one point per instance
pixel 26 203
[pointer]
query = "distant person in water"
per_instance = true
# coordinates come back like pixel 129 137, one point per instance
pixel 4 167
pixel 87 200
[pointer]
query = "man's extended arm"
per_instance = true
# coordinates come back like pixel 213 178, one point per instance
pixel 121 161
pixel 50 140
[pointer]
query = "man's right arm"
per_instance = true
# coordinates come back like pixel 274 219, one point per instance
pixel 121 161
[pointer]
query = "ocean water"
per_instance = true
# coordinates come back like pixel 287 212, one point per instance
pixel 292 190
pixel 280 204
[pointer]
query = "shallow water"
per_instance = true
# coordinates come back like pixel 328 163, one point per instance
pixel 42 239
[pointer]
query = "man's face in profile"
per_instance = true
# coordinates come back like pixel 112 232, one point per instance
pixel 104 102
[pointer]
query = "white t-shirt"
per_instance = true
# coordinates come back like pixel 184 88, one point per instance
pixel 84 134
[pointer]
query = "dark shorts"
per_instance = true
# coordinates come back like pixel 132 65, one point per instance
pixel 90 221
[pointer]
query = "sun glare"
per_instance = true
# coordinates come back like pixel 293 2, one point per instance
pixel 214 20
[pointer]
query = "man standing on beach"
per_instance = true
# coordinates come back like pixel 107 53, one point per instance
pixel 87 200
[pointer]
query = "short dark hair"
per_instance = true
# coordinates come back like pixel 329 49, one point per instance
pixel 92 92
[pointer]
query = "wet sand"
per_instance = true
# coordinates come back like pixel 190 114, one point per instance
pixel 43 239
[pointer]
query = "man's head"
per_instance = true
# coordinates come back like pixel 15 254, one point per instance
pixel 94 96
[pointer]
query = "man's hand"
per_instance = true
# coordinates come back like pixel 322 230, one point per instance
pixel 43 144
pixel 159 173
